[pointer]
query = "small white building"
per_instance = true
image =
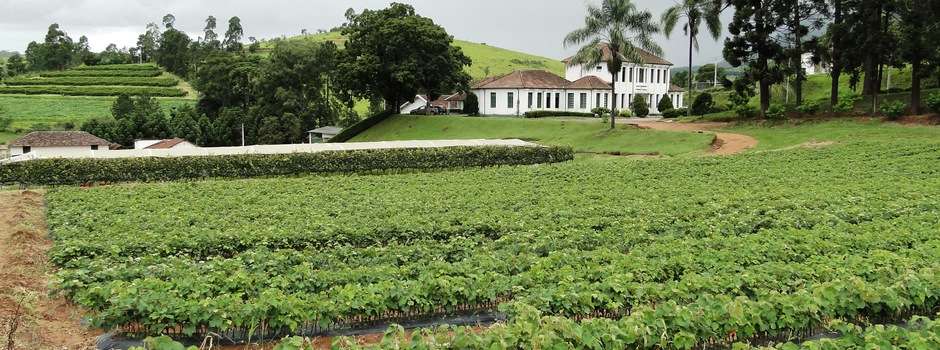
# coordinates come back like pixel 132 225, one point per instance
pixel 163 144
pixel 323 134
pixel 582 89
pixel 812 68
pixel 52 144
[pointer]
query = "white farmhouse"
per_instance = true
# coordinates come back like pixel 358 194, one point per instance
pixel 52 144
pixel 582 89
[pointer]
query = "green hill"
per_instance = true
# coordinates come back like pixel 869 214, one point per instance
pixel 487 60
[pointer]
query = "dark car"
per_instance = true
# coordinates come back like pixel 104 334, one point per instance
pixel 435 110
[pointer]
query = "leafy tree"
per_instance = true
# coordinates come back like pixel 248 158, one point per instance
pixel 56 52
pixel 83 54
pixel 122 107
pixel 920 36
pixel 801 17
pixel 184 124
pixel 680 75
pixel 149 42
pixel 707 73
pixel 16 65
pixel 233 36
pixel 210 38
pixel 226 81
pixel 752 44
pixel 640 107
pixel 612 34
pixel 395 53
pixel 665 104
pixel 703 104
pixel 113 55
pixel 168 21
pixel 695 13
pixel 174 52
pixel 471 105
pixel 149 120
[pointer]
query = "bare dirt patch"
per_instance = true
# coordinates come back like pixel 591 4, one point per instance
pixel 724 143
pixel 42 321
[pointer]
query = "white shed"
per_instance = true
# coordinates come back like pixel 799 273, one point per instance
pixel 51 144
pixel 324 134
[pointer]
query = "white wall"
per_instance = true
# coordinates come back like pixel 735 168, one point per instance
pixel 559 100
pixel 55 151
pixel 655 85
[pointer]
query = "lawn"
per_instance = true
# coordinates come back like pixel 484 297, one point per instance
pixel 839 131
pixel 48 110
pixel 651 253
pixel 589 136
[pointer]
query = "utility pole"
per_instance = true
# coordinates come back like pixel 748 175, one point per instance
pixel 716 73
pixel 243 134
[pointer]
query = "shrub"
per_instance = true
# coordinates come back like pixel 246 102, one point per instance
pixel 893 109
pixel 544 114
pixel 703 104
pixel 92 81
pixel 93 90
pixel 639 107
pixel 809 107
pixel 747 112
pixel 665 104
pixel 717 108
pixel 625 113
pixel 847 103
pixel 471 105
pixel 676 113
pixel 776 112
pixel 148 169
pixel 933 101
pixel 600 111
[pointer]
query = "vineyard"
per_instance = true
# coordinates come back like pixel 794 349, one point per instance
pixel 698 253
pixel 144 79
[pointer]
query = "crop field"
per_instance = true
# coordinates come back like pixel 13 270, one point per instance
pixel 46 111
pixel 143 79
pixel 593 253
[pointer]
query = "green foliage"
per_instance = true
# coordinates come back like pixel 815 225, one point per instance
pixel 395 53
pixel 92 90
pixel 295 343
pixel 703 104
pixel 665 104
pixel 545 114
pixel 141 118
pixel 174 53
pixel 84 171
pixel 747 112
pixel 809 107
pixel 471 105
pixel 625 113
pixel 92 81
pixel 893 109
pixel 15 65
pixel 56 52
pixel 143 73
pixel 675 113
pixel 640 107
pixel 162 343
pixel 600 111
pixel 122 67
pixel 933 102
pixel 847 102
pixel 776 112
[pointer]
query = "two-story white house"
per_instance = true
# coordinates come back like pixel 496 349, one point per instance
pixel 582 89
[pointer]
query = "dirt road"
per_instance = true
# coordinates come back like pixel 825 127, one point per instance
pixel 725 143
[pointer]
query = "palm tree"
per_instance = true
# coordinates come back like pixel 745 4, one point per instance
pixel 613 33
pixel 695 13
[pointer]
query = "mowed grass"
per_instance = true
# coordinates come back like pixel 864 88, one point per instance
pixel 487 60
pixel 590 136
pixel 773 137
pixel 49 110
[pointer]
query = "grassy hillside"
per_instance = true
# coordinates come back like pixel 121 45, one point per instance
pixel 486 59
pixel 584 136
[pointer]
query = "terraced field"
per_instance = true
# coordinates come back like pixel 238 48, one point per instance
pixel 678 253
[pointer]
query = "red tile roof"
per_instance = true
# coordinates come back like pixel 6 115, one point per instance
pixel 524 79
pixel 59 139
pixel 166 144
pixel 646 56
pixel 589 82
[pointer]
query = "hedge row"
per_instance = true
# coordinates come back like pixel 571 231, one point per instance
pixel 150 169
pixel 93 90
pixel 103 73
pixel 120 67
pixel 543 114
pixel 93 81
pixel 363 125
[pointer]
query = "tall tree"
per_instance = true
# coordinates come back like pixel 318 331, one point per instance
pixel 57 51
pixel 168 21
pixel 389 54
pixel 753 43
pixel 834 46
pixel 919 33
pixel 233 36
pixel 694 13
pixel 210 38
pixel 16 65
pixel 149 42
pixel 613 33
pixel 174 53
pixel 83 54
pixel 803 16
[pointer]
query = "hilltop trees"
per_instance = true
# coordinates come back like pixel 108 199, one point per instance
pixel 920 35
pixel 695 13
pixel 752 43
pixel 233 35
pixel 611 34
pixel 57 51
pixel 395 53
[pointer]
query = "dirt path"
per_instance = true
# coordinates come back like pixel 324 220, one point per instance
pixel 725 143
pixel 42 322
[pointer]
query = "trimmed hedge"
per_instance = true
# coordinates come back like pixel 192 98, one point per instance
pixel 94 81
pixel 544 114
pixel 120 67
pixel 103 73
pixel 363 125
pixel 92 90
pixel 150 169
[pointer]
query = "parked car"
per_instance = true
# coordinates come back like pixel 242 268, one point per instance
pixel 435 110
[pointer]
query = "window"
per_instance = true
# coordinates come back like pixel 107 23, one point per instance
pixel 623 74
pixel 510 99
pixel 492 100
pixel 597 100
pixel 659 76
pixel 631 74
pixel 599 68
pixel 606 100
pixel 548 100
pixel 94 147
pixel 26 149
pixel 629 100
pixel 530 100
pixel 584 101
pixel 570 100
pixel 557 100
pixel 642 74
pixel 539 103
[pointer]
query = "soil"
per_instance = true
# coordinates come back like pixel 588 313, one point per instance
pixel 724 144
pixel 46 322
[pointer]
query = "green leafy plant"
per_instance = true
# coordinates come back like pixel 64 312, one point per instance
pixel 776 112
pixel 545 114
pixel 893 109
pixel 640 107
pixel 847 102
pixel 747 112
pixel 809 108
pixel 675 113
pixel 665 104
pixel 933 102
pixel 703 104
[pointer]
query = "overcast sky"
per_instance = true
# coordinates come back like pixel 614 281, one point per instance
pixel 533 26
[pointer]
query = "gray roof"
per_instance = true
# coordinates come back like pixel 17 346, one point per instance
pixel 59 139
pixel 327 130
